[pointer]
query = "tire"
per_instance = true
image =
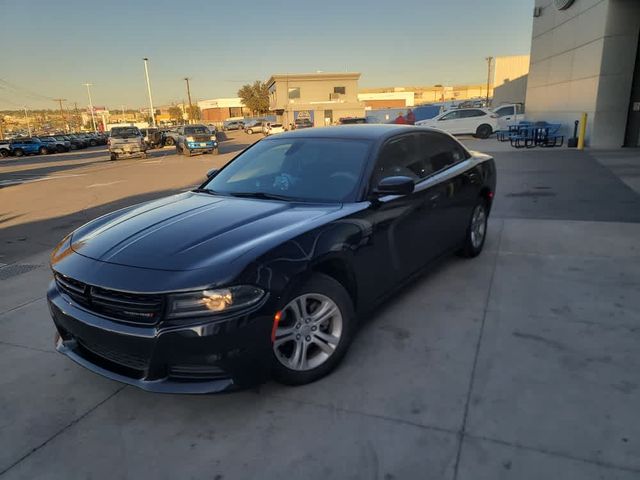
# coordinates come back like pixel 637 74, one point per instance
pixel 93 143
pixel 484 131
pixel 186 152
pixel 313 362
pixel 476 233
pixel 60 149
pixel 43 151
pixel 114 157
pixel 170 141
pixel 216 151
pixel 18 152
pixel 249 131
pixel 4 153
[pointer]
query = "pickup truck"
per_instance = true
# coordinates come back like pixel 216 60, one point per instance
pixel 5 148
pixel 509 114
pixel 126 142
pixel 28 146
pixel 196 139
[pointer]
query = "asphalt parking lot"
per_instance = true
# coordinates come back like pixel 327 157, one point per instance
pixel 523 363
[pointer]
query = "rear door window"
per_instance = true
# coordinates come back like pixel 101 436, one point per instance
pixel 439 152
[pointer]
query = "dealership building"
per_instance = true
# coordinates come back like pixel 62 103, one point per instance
pixel 319 98
pixel 585 58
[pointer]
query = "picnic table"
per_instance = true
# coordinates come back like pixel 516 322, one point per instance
pixel 529 135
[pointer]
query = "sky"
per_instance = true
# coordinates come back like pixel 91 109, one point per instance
pixel 51 47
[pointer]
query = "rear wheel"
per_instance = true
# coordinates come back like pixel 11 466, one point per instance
pixel 18 152
pixel 476 231
pixel 60 149
pixel 169 141
pixel 484 131
pixel 43 150
pixel 314 331
pixel 4 153
pixel 114 156
pixel 249 131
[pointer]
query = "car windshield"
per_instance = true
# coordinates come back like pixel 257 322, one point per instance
pixel 196 130
pixel 300 169
pixel 123 132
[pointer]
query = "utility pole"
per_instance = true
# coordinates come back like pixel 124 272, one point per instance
pixel 489 60
pixel 146 72
pixel 1 128
pixel 123 117
pixel 27 118
pixel 93 116
pixel 64 121
pixel 186 79
pixel 76 120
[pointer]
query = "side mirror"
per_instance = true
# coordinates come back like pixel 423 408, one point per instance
pixel 212 173
pixel 399 185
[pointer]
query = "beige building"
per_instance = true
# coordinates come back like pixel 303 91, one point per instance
pixel 507 69
pixel 320 98
pixel 585 57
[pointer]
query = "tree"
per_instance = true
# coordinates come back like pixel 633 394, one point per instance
pixel 175 113
pixel 195 113
pixel 255 97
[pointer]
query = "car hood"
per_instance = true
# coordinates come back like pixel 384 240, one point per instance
pixel 194 230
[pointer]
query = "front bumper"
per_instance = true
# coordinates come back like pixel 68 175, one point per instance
pixel 131 151
pixel 208 145
pixel 203 357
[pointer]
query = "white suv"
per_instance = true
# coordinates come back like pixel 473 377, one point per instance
pixel 480 122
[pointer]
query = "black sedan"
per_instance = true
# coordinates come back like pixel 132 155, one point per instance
pixel 268 266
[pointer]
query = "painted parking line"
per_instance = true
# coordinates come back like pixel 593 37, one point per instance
pixel 94 185
pixel 153 161
pixel 19 181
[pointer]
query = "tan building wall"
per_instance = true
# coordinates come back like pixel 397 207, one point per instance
pixel 582 60
pixel 506 69
pixel 514 91
pixel 315 95
pixel 438 93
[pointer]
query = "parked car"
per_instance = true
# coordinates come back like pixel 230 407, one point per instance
pixel 254 126
pixel 171 136
pixel 152 137
pixel 76 143
pixel 477 121
pixel 54 145
pixel 352 120
pixel 196 139
pixel 126 142
pixel 28 146
pixel 5 148
pixel 65 142
pixel 272 128
pixel 265 268
pixel 232 125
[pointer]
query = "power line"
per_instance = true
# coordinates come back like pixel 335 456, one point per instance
pixel 24 91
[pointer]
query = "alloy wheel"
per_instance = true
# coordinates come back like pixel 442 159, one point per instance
pixel 478 226
pixel 308 332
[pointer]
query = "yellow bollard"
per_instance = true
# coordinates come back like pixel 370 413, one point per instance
pixel 582 132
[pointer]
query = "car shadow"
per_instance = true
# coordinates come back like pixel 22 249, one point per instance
pixel 23 240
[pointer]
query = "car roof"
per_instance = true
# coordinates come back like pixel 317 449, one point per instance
pixel 361 132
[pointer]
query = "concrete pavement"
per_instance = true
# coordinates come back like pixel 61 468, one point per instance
pixel 520 364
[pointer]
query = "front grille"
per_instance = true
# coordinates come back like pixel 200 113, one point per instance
pixel 130 360
pixel 201 138
pixel 141 309
pixel 197 372
pixel 103 360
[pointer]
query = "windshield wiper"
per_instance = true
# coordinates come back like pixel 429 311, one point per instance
pixel 261 195
pixel 206 190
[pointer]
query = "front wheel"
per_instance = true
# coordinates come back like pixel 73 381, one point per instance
pixel 169 141
pixel 476 231
pixel 43 151
pixel 215 151
pixel 186 152
pixel 249 131
pixel 484 131
pixel 314 331
pixel 114 157
pixel 18 152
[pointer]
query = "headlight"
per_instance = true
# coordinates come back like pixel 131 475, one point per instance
pixel 213 137
pixel 190 139
pixel 210 302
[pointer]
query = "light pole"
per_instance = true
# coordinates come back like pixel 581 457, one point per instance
pixel 186 79
pixel 93 116
pixel 146 72
pixel 489 60
pixel 27 118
